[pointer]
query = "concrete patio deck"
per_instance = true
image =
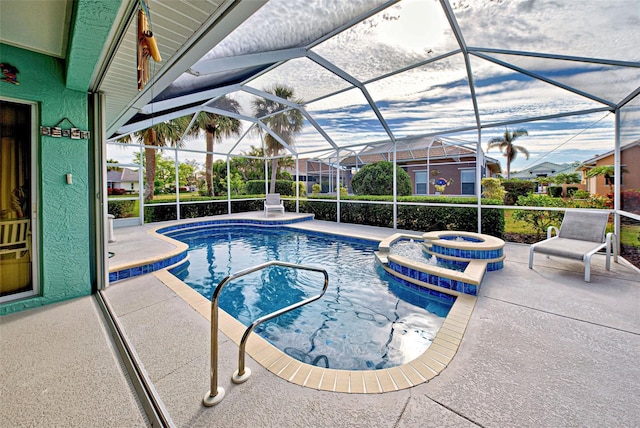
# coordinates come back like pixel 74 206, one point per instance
pixel 542 348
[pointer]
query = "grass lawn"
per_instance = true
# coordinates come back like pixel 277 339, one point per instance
pixel 514 226
pixel 629 234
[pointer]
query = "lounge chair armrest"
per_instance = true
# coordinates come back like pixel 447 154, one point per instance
pixel 550 230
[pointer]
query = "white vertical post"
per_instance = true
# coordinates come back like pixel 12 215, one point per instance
pixel 228 184
pixel 617 176
pixel 142 191
pixel 177 177
pixel 338 184
pixel 297 182
pixel 395 187
pixel 479 166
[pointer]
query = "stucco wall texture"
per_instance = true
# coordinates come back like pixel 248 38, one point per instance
pixel 63 209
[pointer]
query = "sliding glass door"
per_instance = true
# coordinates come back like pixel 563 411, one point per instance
pixel 17 196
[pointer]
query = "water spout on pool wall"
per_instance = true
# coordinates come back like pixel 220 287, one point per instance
pixel 472 253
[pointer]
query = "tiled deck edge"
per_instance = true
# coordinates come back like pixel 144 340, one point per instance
pixel 422 369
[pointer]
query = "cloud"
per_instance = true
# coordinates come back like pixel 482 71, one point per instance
pixel 436 97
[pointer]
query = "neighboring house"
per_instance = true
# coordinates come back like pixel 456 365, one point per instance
pixel 629 159
pixel 427 159
pixel 546 170
pixel 124 178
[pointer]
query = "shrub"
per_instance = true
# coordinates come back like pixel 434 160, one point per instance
pixel 428 218
pixel 554 191
pixel 116 191
pixel 377 179
pixel 540 220
pixel 413 217
pixel 571 190
pixel 156 213
pixel 630 201
pixel 121 209
pixel 316 189
pixel 493 189
pixel 581 194
pixel 256 187
pixel 598 202
pixel 302 189
pixel 517 188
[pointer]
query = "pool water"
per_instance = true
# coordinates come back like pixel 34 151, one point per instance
pixel 413 251
pixel 366 319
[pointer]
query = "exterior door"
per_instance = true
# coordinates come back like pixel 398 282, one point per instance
pixel 17 196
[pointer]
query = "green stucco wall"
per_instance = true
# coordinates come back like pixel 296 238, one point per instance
pixel 63 209
pixel 92 22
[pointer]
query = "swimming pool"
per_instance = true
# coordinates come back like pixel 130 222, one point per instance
pixel 367 319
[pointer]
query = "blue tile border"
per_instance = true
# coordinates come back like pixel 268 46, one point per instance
pixel 467 254
pixel 230 222
pixel 146 268
pixel 431 279
pixel 446 296
pixel 257 224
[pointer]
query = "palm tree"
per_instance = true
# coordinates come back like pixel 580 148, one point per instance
pixel 509 150
pixel 608 171
pixel 285 124
pixel 216 127
pixel 564 179
pixel 250 164
pixel 158 136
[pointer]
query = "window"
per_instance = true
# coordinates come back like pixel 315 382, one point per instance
pixel 421 182
pixel 610 180
pixel 468 181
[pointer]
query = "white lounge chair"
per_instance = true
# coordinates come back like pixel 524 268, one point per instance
pixel 14 237
pixel 581 235
pixel 273 203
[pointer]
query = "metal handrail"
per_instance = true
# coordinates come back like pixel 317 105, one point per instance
pixel 216 393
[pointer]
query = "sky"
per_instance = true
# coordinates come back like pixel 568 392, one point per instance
pixel 436 98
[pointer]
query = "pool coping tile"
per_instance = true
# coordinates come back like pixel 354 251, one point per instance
pixel 420 370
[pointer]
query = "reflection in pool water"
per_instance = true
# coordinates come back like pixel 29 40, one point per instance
pixel 366 320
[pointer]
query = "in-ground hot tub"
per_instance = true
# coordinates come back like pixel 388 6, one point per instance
pixel 463 258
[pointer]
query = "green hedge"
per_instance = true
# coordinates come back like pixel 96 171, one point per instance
pixel 571 190
pixel 554 191
pixel 517 188
pixel 357 210
pixel 256 187
pixel 159 213
pixel 411 217
pixel 120 209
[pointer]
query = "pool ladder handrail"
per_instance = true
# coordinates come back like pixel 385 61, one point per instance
pixel 242 374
